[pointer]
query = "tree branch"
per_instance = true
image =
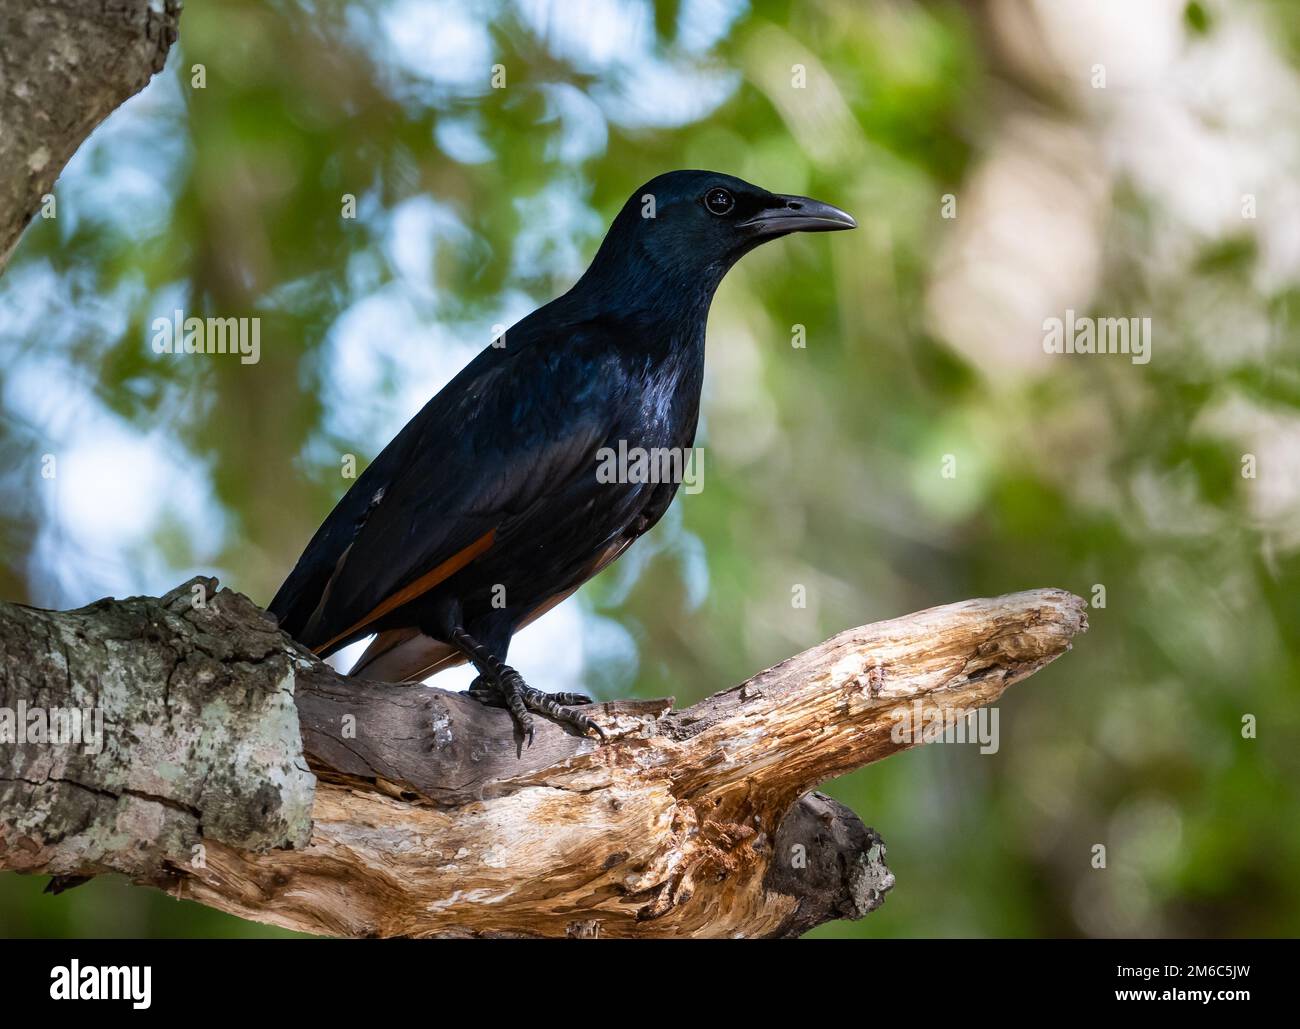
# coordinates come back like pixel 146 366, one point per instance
pixel 426 816
pixel 65 65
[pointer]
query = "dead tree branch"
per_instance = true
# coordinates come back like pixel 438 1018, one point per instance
pixel 423 816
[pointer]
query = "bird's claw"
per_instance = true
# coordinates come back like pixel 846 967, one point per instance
pixel 519 699
pixel 570 699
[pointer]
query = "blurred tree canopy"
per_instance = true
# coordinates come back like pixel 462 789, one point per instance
pixel 997 184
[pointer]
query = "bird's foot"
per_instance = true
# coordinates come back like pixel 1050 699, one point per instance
pixel 485 693
pixel 519 699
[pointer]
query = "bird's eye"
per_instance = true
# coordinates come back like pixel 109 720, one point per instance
pixel 719 201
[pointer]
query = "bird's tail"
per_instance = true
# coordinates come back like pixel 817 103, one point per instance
pixel 404 655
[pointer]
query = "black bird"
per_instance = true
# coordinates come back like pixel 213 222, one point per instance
pixel 489 508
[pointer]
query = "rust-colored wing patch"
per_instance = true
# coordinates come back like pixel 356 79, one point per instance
pixel 420 586
pixel 407 655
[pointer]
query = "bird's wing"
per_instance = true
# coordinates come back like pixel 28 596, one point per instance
pixel 510 432
pixel 407 655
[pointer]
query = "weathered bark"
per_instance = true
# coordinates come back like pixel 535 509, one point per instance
pixel 200 736
pixel 430 818
pixel 65 65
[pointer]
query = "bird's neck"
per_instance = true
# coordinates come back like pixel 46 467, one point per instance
pixel 669 297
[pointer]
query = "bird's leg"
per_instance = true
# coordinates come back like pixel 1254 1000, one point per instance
pixel 492 673
pixel 500 685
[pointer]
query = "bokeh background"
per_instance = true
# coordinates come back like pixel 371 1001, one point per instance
pixel 1118 159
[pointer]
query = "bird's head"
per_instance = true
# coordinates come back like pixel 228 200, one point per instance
pixel 685 229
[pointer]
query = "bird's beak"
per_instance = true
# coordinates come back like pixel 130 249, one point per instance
pixel 798 214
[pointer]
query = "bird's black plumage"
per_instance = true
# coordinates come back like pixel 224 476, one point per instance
pixel 487 508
